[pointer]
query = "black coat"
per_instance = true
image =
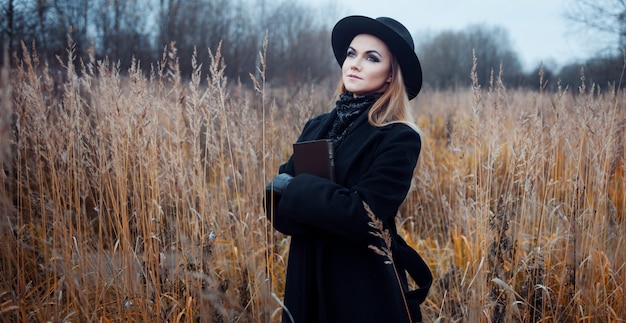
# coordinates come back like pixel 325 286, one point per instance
pixel 332 274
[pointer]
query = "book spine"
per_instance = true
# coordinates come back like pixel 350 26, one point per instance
pixel 331 159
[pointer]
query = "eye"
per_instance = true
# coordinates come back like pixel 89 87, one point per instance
pixel 350 53
pixel 373 58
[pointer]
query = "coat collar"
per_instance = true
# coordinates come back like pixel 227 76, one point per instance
pixel 327 119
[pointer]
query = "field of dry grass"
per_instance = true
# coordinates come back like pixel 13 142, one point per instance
pixel 139 198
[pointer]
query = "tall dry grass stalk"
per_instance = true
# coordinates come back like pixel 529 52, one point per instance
pixel 520 203
pixel 139 197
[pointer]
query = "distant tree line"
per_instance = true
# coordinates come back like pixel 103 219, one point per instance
pixel 448 57
pixel 144 29
pixel 298 49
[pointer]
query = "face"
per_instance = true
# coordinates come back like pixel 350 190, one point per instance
pixel 367 68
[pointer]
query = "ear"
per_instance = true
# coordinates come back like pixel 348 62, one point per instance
pixel 389 78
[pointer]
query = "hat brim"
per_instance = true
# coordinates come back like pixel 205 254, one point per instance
pixel 347 28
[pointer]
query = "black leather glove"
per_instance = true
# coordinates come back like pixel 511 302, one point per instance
pixel 279 183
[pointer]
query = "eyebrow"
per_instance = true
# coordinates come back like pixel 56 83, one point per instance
pixel 369 51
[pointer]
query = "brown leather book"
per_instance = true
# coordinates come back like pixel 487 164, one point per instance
pixel 315 157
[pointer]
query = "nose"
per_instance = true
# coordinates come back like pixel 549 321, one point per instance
pixel 354 65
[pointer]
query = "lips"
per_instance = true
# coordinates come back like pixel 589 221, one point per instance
pixel 352 76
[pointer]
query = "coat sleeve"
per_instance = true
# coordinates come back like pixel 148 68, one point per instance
pixel 280 221
pixel 324 206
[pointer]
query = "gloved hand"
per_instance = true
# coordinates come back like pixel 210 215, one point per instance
pixel 279 183
pixel 282 223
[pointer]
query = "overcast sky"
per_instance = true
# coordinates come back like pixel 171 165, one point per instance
pixel 538 29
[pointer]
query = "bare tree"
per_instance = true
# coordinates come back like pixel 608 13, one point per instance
pixel 299 42
pixel 494 51
pixel 445 61
pixel 67 18
pixel 6 26
pixel 19 22
pixel 32 22
pixel 604 16
pixel 299 48
pixel 121 30
pixel 194 25
pixel 245 39
pixel 447 57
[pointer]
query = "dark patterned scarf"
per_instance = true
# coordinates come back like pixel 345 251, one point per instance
pixel 349 109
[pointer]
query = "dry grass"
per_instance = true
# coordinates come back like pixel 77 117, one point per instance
pixel 139 198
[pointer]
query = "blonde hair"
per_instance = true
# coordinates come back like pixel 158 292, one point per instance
pixel 393 106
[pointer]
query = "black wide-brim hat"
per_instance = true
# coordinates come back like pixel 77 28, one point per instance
pixel 393 34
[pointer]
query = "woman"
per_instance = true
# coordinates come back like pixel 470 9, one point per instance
pixel 333 274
